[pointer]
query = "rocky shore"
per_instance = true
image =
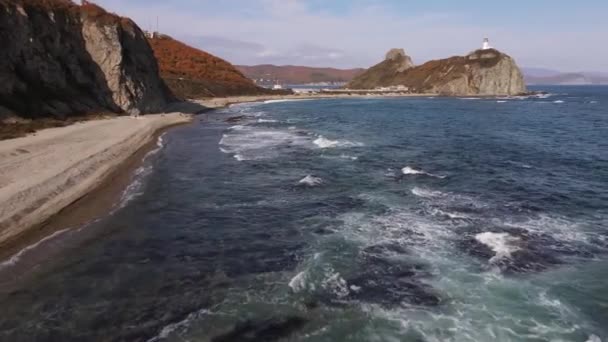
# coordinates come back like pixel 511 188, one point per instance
pixel 482 72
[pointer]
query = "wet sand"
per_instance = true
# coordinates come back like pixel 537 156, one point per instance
pixel 64 177
pixel 91 201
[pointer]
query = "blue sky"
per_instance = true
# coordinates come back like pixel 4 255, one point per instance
pixel 561 35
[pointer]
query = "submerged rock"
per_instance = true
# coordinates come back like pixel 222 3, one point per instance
pixel 515 250
pixel 381 277
pixel 268 330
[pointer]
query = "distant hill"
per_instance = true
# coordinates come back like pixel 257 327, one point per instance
pixel 482 72
pixel 291 74
pixel 571 78
pixel 193 73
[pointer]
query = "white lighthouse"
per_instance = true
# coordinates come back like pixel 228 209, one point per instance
pixel 486 44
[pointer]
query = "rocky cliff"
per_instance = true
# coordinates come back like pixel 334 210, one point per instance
pixel 60 59
pixel 193 73
pixel 482 72
pixel 383 73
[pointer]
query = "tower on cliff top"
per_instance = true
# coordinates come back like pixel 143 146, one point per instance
pixel 486 44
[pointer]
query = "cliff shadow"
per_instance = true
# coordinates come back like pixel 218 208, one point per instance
pixel 47 71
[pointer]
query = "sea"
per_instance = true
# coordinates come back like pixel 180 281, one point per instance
pixel 365 219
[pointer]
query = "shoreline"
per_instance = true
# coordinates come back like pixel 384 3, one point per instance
pixel 222 102
pixel 101 198
pixel 93 192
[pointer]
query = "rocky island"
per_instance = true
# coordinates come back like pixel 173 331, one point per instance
pixel 485 72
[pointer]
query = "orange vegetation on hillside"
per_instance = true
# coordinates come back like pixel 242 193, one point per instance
pixel 190 72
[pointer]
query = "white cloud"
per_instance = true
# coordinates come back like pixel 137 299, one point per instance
pixel 288 32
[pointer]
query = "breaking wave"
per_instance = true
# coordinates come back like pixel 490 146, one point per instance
pixel 323 142
pixel 411 171
pixel 311 181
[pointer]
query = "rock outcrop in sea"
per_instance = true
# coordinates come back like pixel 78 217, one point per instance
pixel 61 59
pixel 482 72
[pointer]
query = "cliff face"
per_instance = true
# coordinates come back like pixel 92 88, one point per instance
pixel 61 59
pixel 482 72
pixel 383 73
pixel 193 73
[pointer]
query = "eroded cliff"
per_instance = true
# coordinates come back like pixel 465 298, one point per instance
pixel 61 59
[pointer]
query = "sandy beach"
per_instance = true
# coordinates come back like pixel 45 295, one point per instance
pixel 65 176
pixel 45 172
pixel 220 102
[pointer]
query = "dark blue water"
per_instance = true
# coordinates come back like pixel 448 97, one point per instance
pixel 406 219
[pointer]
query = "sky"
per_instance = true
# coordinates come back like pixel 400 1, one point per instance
pixel 559 35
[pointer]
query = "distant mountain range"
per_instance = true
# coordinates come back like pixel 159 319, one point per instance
pixel 547 76
pixel 290 74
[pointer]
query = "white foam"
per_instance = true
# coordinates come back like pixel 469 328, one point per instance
pixel 169 329
pixel 345 156
pixel 256 142
pixel 323 142
pixel 134 189
pixel 470 98
pixel 311 181
pixel 502 244
pixel 560 227
pixel 13 260
pixel 558 101
pixel 451 215
pixel 335 283
pixel 501 101
pixel 266 121
pixel 411 171
pixel 298 282
pixel 426 193
pixel 284 100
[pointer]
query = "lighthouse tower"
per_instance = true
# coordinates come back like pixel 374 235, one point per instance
pixel 486 44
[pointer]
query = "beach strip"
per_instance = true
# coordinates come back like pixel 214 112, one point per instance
pixel 45 172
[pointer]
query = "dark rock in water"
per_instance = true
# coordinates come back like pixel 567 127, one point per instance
pixel 385 281
pixel 236 119
pixel 390 282
pixel 259 259
pixel 529 251
pixel 323 231
pixel 268 330
pixel 384 248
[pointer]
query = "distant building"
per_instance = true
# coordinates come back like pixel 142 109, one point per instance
pixel 153 35
pixel 486 44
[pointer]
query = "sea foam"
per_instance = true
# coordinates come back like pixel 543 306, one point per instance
pixel 323 142
pixel 411 171
pixel 311 181
pixel 502 244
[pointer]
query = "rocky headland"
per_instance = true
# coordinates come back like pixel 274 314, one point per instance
pixel 482 72
pixel 60 59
